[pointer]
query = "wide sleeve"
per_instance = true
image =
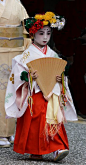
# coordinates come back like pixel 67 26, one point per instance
pixel 16 93
pixel 69 108
pixel 23 13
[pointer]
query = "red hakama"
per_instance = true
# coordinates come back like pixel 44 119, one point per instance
pixel 29 136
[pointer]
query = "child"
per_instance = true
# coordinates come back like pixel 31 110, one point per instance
pixel 35 133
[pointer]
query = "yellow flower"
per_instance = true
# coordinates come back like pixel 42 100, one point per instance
pixel 53 20
pixel 45 23
pixel 50 13
pixel 48 16
pixel 39 16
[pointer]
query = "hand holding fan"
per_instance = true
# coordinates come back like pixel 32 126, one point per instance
pixel 47 69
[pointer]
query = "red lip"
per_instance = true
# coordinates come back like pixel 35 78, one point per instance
pixel 44 41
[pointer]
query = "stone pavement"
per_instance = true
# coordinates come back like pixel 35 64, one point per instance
pixel 77 156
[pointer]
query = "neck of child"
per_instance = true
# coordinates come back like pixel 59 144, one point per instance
pixel 37 44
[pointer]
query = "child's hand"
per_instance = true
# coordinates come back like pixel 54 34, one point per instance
pixel 59 79
pixel 34 75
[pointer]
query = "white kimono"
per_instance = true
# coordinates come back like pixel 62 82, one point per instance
pixel 18 65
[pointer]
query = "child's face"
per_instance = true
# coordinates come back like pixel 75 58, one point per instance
pixel 42 36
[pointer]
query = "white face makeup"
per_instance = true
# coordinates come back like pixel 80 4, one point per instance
pixel 42 36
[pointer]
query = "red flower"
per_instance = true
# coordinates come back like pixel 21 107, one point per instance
pixel 36 26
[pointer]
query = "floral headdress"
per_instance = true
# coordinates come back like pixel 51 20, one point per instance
pixel 33 24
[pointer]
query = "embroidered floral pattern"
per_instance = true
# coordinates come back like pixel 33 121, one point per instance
pixel 4 75
pixel 7 97
pixel 25 56
pixel 12 78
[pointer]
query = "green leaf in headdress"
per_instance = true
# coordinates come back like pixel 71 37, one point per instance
pixel 29 22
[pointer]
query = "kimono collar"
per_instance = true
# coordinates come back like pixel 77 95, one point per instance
pixel 43 50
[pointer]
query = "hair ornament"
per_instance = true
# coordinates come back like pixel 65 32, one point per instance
pixel 33 24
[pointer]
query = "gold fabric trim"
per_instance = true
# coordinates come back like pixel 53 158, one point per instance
pixel 12 50
pixel 11 32
pixel 11 43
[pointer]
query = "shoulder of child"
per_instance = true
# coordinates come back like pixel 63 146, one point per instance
pixel 54 53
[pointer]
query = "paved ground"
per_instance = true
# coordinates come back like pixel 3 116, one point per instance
pixel 77 156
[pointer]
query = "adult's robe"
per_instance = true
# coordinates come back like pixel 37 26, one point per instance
pixel 11 44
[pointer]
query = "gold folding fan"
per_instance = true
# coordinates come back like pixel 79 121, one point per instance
pixel 47 69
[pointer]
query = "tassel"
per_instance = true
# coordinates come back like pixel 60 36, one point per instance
pixel 30 99
pixel 63 86
pixel 51 130
pixel 30 102
pixel 63 91
pixel 30 81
